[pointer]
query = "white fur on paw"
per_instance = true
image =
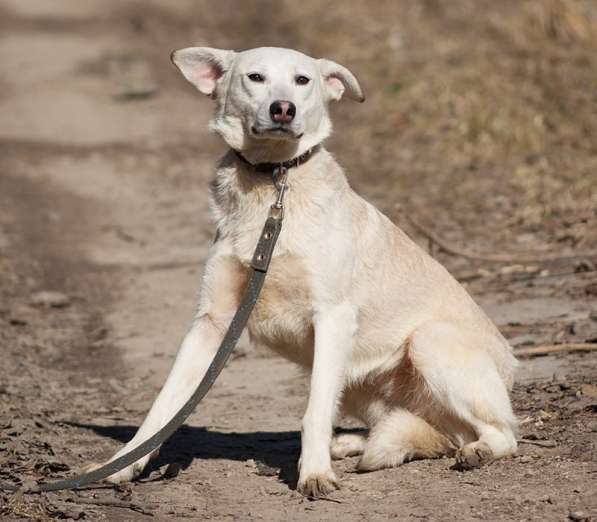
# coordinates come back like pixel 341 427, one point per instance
pixel 125 475
pixel 347 445
pixel 88 468
pixel 375 458
pixel 317 485
pixel 473 456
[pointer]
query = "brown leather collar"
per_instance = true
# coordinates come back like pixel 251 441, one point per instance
pixel 270 167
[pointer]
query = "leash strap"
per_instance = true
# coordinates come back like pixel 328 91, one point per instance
pixel 259 265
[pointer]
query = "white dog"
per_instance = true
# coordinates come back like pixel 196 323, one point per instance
pixel 389 335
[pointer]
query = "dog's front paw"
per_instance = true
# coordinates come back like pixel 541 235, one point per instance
pixel 317 485
pixel 124 475
pixel 129 473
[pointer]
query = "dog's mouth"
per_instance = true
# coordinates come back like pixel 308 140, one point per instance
pixel 277 132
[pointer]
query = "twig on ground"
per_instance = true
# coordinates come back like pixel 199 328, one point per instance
pixel 327 499
pixel 492 258
pixel 555 348
pixel 517 278
pixel 112 503
pixel 541 443
pixel 465 277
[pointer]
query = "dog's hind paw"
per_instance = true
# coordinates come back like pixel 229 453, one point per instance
pixel 318 485
pixel 473 456
pixel 347 445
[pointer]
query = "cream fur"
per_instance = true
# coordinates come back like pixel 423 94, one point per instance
pixel 388 334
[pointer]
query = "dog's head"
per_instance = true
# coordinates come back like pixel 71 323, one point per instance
pixel 271 102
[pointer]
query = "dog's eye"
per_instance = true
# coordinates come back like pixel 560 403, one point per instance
pixel 256 77
pixel 302 80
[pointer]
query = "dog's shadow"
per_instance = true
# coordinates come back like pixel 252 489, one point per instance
pixel 274 453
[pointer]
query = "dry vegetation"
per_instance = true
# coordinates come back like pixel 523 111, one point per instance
pixel 474 107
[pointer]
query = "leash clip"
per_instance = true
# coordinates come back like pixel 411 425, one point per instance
pixel 279 177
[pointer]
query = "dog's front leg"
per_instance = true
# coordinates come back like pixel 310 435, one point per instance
pixel 334 331
pixel 220 293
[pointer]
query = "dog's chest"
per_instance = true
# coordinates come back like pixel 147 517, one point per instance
pixel 283 316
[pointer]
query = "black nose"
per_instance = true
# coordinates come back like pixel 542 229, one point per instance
pixel 282 111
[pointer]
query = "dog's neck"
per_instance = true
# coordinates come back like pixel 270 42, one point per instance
pixel 273 150
pixel 269 167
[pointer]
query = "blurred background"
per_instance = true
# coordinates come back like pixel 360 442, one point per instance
pixel 478 137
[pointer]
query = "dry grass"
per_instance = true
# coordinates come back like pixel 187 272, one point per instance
pixel 480 115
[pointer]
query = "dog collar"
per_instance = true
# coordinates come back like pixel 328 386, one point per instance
pixel 270 167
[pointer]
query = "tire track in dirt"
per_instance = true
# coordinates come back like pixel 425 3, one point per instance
pixel 129 202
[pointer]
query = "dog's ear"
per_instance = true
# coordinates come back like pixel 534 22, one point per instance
pixel 338 79
pixel 203 66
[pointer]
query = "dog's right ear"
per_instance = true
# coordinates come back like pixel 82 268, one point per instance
pixel 203 66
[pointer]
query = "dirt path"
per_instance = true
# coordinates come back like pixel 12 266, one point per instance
pixel 104 164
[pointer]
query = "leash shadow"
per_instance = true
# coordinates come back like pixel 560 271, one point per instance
pixel 275 453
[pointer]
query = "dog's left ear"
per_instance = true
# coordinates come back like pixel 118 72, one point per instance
pixel 337 79
pixel 203 66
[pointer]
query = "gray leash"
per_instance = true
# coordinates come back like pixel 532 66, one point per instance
pixel 259 265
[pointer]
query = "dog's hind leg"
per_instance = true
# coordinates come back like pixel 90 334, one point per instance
pixel 347 445
pixel 464 380
pixel 401 436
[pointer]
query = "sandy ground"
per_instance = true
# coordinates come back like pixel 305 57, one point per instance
pixel 104 164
